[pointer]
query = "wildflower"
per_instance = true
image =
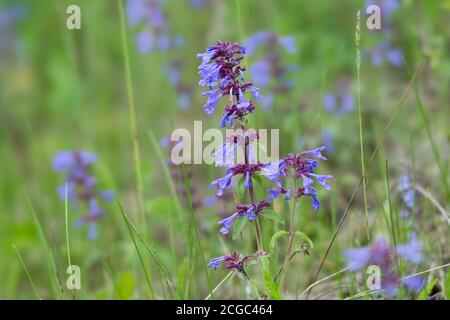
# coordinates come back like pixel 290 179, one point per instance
pixel 297 166
pixel 222 73
pixel 154 31
pixel 268 71
pixel 381 255
pixel 407 192
pixel 250 210
pixel 246 170
pixel 233 261
pixel 184 91
pixel 385 53
pixel 340 101
pixel 81 185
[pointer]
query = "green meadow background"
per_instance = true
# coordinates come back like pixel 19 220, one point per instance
pixel 70 90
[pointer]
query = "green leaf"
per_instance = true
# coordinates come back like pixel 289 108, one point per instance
pixel 241 186
pixel 125 285
pixel 271 287
pixel 304 237
pixel 239 226
pixel 276 236
pixel 258 179
pixel 270 214
pixel 425 293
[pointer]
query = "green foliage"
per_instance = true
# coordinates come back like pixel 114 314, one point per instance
pixel 271 214
pixel 271 288
pixel 239 226
pixel 425 293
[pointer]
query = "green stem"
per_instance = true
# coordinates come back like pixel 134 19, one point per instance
pixel 132 111
pixel 361 140
pixel 291 238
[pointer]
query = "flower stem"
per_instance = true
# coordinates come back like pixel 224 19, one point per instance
pixel 291 236
pixel 252 197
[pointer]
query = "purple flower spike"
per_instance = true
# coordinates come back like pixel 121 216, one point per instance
pixel 222 73
pixel 269 71
pixel 415 283
pixel 81 186
pixel 381 255
pixel 357 258
pixel 411 251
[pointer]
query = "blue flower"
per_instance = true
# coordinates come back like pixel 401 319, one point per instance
pixel 322 179
pixel 411 251
pixel 288 42
pixel 268 71
pixel 384 52
pixel 213 98
pixel 406 190
pixel 227 223
pixel 273 171
pixel 316 153
pixel 223 182
pixel 154 31
pixel 209 75
pixel 261 72
pixel 81 186
pixel 273 194
pixel 145 41
pixel 214 263
pixel 414 283
pixel 222 73
pixel 381 255
pixel 357 258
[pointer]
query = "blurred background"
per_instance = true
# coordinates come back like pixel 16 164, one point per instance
pixel 70 90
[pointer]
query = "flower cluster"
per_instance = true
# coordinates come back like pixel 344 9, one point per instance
pixel 339 101
pixel 233 261
pixel 174 70
pixel 297 166
pixel 81 186
pixel 381 255
pixel 385 52
pixel 407 193
pixel 250 210
pixel 269 71
pixel 154 34
pixel 247 170
pixel 222 73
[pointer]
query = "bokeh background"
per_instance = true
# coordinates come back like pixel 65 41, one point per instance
pixel 70 90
